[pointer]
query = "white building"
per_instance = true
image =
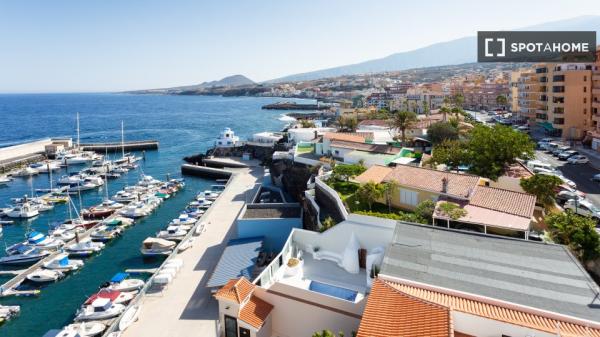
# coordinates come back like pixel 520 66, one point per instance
pixel 267 139
pixel 227 138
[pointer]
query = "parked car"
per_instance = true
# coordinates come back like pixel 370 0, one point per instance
pixel 551 147
pixel 560 150
pixel 583 207
pixel 524 128
pixel 596 177
pixel 538 165
pixel 564 196
pixel 578 159
pixel 567 154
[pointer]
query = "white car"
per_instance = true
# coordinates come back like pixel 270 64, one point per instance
pixel 578 159
pixel 583 207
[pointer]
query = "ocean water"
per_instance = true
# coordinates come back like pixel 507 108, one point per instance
pixel 183 125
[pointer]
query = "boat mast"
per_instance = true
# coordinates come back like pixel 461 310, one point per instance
pixel 122 140
pixel 78 131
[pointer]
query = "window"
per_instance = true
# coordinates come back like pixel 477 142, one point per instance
pixel 409 197
pixel 584 89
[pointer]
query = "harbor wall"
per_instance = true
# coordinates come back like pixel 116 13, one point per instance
pixel 16 155
pixel 117 147
pixel 204 171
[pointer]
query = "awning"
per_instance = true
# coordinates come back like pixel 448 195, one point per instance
pixel 547 126
pixel 238 259
pixel 119 277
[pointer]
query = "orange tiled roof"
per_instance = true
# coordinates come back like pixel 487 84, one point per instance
pixel 255 312
pixel 505 201
pixel 391 313
pixel 496 312
pixel 375 173
pixel 358 137
pixel 236 290
pixel 459 185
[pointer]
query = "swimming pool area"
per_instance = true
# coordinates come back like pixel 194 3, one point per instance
pixel 330 290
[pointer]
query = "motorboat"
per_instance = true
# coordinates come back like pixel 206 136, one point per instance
pixel 24 255
pixel 45 275
pixel 129 317
pixel 62 263
pixel 174 233
pixel 42 205
pixel 4 180
pixel 83 329
pixel 115 296
pixel 71 179
pixel 39 240
pixel 8 311
pixel 63 234
pixel 111 204
pixel 101 308
pixel 45 167
pixel 105 233
pixel 136 210
pixel 26 172
pixel 202 203
pixel 157 247
pixel 23 211
pixel 84 247
pixel 75 159
pixel 97 212
pixel 148 181
pixel 211 195
pixel 120 222
pixel 80 222
pixel 125 197
pixel 185 219
pixel 127 158
pixel 57 197
pixel 122 282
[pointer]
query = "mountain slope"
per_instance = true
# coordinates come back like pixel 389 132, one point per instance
pixel 463 50
pixel 229 81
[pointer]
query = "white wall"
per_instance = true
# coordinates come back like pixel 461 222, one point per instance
pixel 11 152
pixel 484 327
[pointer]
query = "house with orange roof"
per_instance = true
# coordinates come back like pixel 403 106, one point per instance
pixel 486 209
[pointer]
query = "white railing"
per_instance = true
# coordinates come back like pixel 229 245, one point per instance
pixel 333 194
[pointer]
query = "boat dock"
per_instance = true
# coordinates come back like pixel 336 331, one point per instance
pixel 204 171
pixel 26 153
pixel 118 146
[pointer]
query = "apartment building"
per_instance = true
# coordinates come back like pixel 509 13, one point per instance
pixel 595 132
pixel 558 97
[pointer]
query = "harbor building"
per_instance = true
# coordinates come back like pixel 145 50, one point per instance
pixel 227 138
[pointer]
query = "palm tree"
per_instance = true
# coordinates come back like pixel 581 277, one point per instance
pixel 445 111
pixel 403 120
pixel 458 99
pixel 390 187
pixel 370 192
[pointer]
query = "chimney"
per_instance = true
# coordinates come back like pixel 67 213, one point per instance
pixel 444 185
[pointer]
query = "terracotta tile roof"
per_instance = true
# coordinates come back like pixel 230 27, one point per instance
pixel 374 122
pixel 236 290
pixel 375 173
pixel 358 137
pixel 255 312
pixel 498 313
pixel 515 203
pixel 485 216
pixel 391 313
pixel 459 185
pixel 376 148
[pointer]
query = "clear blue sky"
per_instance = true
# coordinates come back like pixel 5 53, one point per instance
pixel 109 45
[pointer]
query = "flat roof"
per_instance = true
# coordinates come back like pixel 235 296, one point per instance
pixel 272 212
pixel 542 276
pixel 238 259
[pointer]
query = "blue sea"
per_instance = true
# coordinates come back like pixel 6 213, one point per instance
pixel 183 125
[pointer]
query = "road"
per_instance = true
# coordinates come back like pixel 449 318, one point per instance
pixel 580 174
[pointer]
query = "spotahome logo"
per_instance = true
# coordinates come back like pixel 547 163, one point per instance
pixel 510 46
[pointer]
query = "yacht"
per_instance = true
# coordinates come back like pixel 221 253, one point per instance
pixel 122 282
pixel 88 183
pixel 71 179
pixel 157 247
pixel 173 233
pixel 125 197
pixel 61 262
pixel 24 255
pixel 8 311
pixel 84 247
pixel 24 211
pixel 100 309
pixel 26 172
pixel 43 275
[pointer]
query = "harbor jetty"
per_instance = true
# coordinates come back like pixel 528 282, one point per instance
pixel 30 152
pixel 294 106
pixel 118 146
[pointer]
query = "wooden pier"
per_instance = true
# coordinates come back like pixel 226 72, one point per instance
pixel 117 146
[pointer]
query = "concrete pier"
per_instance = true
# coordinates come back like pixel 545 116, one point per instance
pixel 204 171
pixel 116 147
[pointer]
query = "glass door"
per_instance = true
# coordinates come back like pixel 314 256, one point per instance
pixel 230 326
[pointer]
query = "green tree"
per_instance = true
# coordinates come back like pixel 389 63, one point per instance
pixel 441 131
pixel 305 123
pixel 501 100
pixel 370 192
pixel 577 232
pixel 490 150
pixel 390 187
pixel 347 171
pixel 347 123
pixel 426 108
pixel 452 153
pixel 458 100
pixel 425 210
pixel 543 186
pixel 451 210
pixel 445 111
pixel 403 120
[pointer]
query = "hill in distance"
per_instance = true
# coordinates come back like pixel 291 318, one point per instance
pixel 459 51
pixel 226 82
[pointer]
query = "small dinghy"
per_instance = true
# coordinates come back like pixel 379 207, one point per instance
pixel 43 276
pixel 62 263
pixel 83 329
pixel 129 317
pixel 121 282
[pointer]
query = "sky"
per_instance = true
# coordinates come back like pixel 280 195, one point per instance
pixel 111 45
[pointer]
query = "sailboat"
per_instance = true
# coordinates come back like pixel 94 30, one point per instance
pixel 126 158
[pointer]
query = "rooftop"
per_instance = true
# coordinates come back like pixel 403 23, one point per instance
pixel 520 204
pixel 542 276
pixel 359 137
pixel 238 259
pixel 236 290
pixel 255 312
pixel 272 212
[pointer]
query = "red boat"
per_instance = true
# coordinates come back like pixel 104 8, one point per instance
pixel 97 213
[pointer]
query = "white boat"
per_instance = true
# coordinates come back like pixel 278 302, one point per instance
pixel 24 255
pixel 23 211
pixel 63 234
pixel 136 210
pixel 39 240
pixel 157 247
pixel 44 275
pixel 85 247
pixel 111 204
pixel 174 233
pixel 83 329
pixel 71 179
pixel 5 180
pixel 62 263
pixel 45 167
pixel 26 172
pixel 124 196
pixel 99 309
pixel 115 296
pixel 129 317
pixel 121 282
pixel 8 311
pixel 105 233
pixel 149 181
